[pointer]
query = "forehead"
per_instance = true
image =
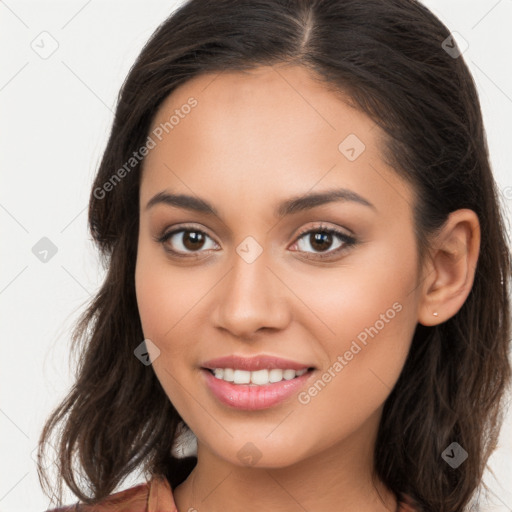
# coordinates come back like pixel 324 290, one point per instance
pixel 260 135
pixel 286 99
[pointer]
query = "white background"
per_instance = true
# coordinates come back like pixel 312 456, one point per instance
pixel 56 114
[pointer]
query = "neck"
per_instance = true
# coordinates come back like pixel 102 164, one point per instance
pixel 339 478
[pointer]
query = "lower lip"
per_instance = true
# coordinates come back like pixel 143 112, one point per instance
pixel 252 397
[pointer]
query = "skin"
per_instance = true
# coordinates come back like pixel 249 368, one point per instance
pixel 255 139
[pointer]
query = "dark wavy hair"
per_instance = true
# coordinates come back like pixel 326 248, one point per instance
pixel 388 57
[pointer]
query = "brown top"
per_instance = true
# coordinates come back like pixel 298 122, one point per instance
pixel 153 496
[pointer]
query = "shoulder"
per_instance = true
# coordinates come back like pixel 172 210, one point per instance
pixel 147 497
pixel 133 499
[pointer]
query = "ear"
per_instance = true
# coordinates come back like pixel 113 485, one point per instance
pixel 449 272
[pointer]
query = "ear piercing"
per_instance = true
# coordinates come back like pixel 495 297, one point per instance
pixel 435 313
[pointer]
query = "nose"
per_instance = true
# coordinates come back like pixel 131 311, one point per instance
pixel 251 297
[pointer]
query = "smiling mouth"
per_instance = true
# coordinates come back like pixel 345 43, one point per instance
pixel 263 377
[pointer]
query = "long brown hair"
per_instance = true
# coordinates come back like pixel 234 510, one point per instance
pixel 389 56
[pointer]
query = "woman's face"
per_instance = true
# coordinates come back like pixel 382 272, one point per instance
pixel 259 278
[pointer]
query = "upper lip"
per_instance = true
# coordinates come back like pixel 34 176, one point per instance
pixel 254 363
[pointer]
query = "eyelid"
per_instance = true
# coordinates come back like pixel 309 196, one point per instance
pixel 325 227
pixel 177 229
pixel 348 241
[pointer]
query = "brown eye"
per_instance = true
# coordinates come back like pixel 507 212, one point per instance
pixel 193 240
pixel 321 239
pixel 183 242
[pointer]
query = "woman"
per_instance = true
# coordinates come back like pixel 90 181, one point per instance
pixel 307 269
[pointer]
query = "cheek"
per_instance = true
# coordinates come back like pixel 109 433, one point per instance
pixel 161 292
pixel 373 325
pixel 369 297
pixel 169 303
pixel 163 312
pixel 368 317
pixel 149 287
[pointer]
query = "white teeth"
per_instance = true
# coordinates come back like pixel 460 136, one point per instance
pixel 257 377
pixel 275 375
pixel 242 377
pixel 229 374
pixel 288 374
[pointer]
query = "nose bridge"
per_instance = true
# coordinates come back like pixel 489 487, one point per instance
pixel 251 295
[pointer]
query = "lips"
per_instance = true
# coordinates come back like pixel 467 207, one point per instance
pixel 254 363
pixel 251 396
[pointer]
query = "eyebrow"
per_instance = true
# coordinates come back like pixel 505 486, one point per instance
pixel 288 207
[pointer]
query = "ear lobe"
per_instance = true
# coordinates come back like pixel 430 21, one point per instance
pixel 450 272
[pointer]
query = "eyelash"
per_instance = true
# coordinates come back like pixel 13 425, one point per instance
pixel 348 241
